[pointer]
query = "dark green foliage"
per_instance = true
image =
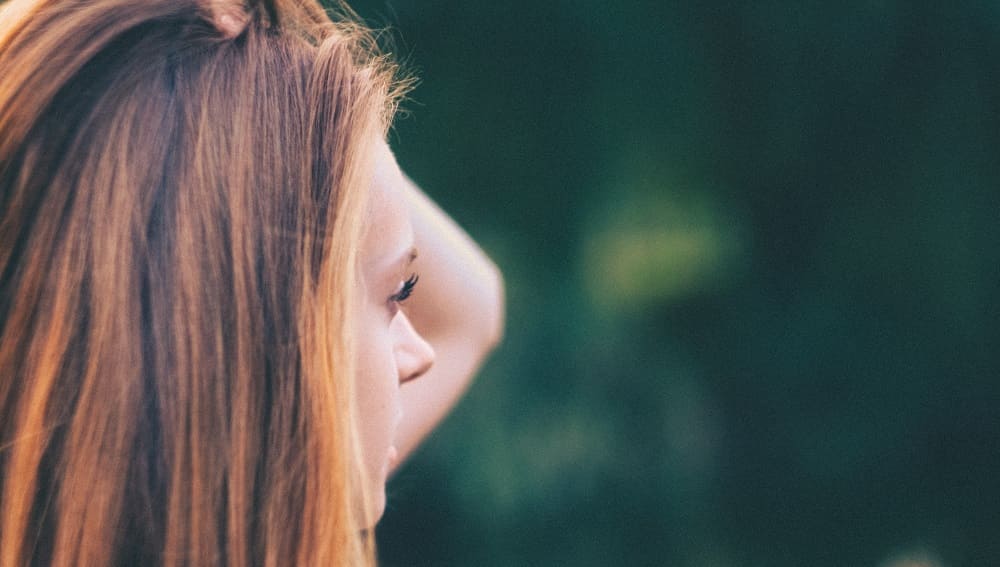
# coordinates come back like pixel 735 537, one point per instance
pixel 753 261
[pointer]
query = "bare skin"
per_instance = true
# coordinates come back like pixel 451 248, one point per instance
pixel 418 346
pixel 458 309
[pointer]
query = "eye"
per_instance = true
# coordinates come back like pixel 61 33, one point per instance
pixel 406 290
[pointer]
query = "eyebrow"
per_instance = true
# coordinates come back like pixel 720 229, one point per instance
pixel 407 257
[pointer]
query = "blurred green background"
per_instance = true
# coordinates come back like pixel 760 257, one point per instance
pixel 751 251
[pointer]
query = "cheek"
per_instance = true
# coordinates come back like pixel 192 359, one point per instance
pixel 377 385
pixel 376 363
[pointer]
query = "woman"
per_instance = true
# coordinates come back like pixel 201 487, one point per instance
pixel 207 351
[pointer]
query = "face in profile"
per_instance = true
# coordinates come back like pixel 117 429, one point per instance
pixel 390 351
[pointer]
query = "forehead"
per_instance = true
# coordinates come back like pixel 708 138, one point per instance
pixel 388 234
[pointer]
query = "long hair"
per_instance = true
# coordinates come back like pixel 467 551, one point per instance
pixel 180 214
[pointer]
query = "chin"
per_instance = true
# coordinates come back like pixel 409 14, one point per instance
pixel 371 509
pixel 376 509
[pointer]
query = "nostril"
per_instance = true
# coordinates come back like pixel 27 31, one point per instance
pixel 428 364
pixel 419 371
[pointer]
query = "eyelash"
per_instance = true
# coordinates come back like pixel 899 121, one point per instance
pixel 407 289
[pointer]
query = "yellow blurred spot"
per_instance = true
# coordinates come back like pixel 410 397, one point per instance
pixel 655 251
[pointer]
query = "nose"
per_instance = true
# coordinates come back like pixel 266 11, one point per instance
pixel 414 355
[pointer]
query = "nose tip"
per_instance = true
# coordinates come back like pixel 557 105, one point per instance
pixel 423 359
pixel 416 355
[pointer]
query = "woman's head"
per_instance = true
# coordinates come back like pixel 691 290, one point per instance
pixel 181 210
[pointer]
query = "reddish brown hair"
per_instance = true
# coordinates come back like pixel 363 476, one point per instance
pixel 179 218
